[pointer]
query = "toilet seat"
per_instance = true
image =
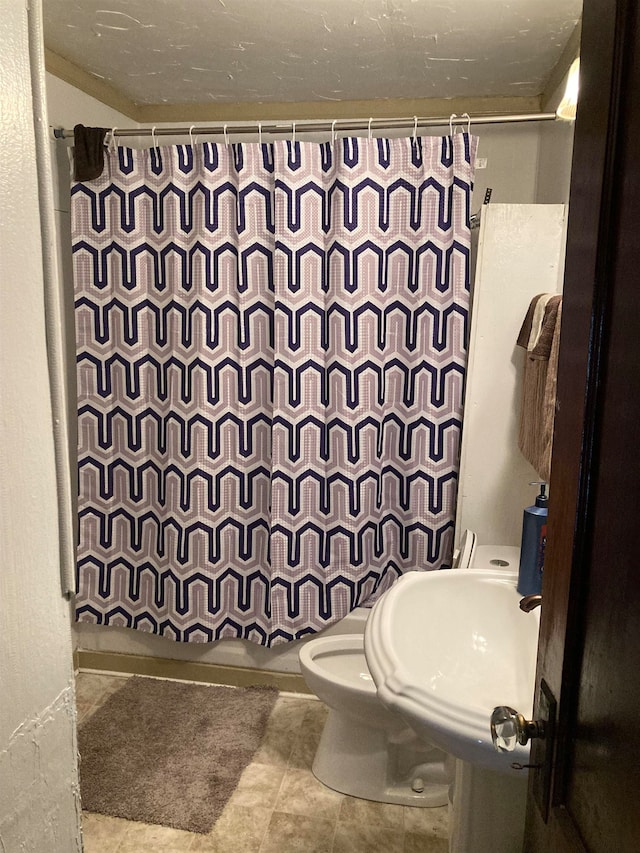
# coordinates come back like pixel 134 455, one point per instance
pixel 463 556
pixel 335 668
pixel 340 658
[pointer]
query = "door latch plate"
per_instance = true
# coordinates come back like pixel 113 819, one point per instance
pixel 542 750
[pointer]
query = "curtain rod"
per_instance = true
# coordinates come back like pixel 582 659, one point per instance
pixel 339 125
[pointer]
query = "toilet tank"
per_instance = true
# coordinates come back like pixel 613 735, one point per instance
pixel 496 557
pixel 493 557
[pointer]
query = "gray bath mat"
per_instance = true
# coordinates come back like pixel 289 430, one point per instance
pixel 169 753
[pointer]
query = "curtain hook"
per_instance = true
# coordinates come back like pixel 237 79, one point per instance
pixel 293 132
pixel 370 120
pixel 415 130
pixel 224 130
pixel 112 140
pixel 153 136
pixel 191 137
pixel 451 118
pixel 260 132
pixel 333 131
pixel 468 118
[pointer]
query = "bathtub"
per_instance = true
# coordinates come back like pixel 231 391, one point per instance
pixel 283 658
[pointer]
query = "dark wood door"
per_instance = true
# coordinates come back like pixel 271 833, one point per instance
pixel 589 652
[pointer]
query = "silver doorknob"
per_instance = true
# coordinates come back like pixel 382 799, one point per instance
pixel 509 728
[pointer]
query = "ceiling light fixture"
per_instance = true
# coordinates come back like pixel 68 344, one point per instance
pixel 567 106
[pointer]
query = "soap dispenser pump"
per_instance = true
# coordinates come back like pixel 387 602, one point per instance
pixel 534 540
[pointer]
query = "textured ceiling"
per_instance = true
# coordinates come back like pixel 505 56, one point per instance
pixel 229 51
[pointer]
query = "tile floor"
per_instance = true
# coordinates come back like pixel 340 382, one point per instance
pixel 278 806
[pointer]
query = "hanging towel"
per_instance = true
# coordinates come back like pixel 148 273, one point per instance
pixel 88 152
pixel 525 330
pixel 537 412
pixel 541 346
pixel 538 319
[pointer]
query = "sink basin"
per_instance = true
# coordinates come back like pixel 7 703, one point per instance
pixel 444 648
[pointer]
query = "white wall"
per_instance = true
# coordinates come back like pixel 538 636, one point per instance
pixel 521 254
pixel 512 268
pixel 554 171
pixel 38 774
pixel 556 153
pixel 512 154
pixel 69 106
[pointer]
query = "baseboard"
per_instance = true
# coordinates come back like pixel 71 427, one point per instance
pixel 208 673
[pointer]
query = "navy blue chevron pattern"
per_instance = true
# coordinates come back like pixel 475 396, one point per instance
pixel 271 349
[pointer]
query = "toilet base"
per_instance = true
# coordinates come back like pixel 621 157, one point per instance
pixel 361 761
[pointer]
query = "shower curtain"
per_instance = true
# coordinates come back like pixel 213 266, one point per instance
pixel 270 360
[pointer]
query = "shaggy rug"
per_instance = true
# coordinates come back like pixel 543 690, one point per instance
pixel 170 753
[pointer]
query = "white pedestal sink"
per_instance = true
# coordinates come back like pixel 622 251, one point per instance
pixel 444 648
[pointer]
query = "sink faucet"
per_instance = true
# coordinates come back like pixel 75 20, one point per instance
pixel 530 602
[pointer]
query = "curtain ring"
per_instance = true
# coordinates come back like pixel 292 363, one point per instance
pixel 415 130
pixel 260 132
pixel 451 118
pixel 370 120
pixel 333 131
pixel 224 130
pixel 191 135
pixel 293 132
pixel 153 136
pixel 468 118
pixel 112 140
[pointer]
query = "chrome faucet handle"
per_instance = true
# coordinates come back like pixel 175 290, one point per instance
pixel 530 602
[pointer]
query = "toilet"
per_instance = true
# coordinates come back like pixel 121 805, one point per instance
pixel 366 750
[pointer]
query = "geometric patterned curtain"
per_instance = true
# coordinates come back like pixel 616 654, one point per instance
pixel 271 354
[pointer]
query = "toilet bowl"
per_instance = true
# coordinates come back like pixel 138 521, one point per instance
pixel 366 750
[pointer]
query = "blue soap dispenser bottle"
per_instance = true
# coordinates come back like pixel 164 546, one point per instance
pixel 534 540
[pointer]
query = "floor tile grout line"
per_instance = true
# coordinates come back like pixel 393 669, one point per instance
pixel 335 831
pixel 273 811
pixel 273 808
pixel 266 829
